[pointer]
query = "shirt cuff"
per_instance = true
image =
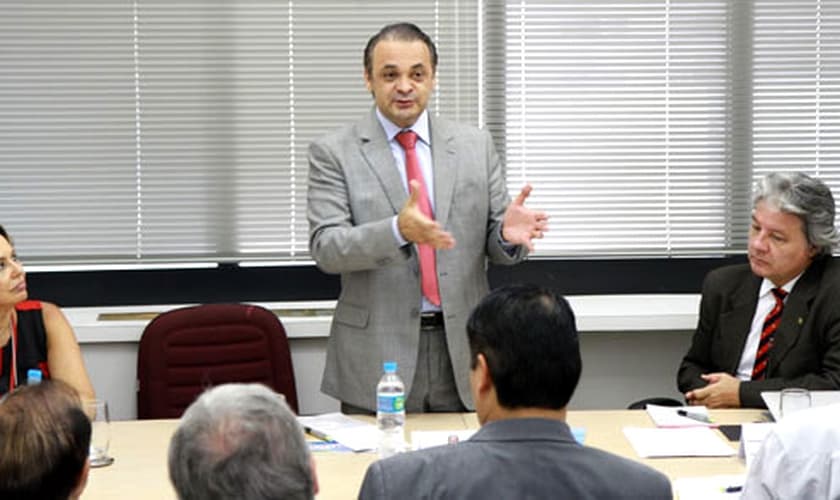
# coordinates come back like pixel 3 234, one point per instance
pixel 509 248
pixel 401 242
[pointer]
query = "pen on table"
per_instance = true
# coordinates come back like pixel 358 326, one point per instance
pixel 316 433
pixel 694 416
pixel 733 489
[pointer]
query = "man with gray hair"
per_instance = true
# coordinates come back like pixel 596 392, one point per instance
pixel 240 441
pixel 775 322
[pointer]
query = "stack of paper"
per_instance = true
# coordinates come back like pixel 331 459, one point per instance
pixel 352 433
pixel 724 487
pixel 677 442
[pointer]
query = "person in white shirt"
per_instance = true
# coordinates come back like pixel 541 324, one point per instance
pixel 800 458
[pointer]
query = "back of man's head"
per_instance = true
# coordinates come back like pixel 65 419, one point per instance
pixel 528 336
pixel 44 442
pixel 240 441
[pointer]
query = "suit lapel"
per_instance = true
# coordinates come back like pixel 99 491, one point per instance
pixel 377 153
pixel 736 321
pixel 795 314
pixel 444 167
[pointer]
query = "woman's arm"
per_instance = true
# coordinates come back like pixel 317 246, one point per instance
pixel 64 356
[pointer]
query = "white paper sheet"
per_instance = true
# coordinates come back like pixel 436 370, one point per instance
pixel 668 416
pixel 352 433
pixel 677 442
pixel 752 435
pixel 709 487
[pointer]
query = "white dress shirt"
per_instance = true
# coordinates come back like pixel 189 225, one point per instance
pixel 766 301
pixel 799 459
pixel 423 149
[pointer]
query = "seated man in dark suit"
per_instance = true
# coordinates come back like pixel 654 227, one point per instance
pixel 44 442
pixel 774 323
pixel 525 366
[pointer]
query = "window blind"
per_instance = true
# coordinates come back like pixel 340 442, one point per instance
pixel 796 122
pixel 171 131
pixel 616 113
pixel 643 124
pixel 149 131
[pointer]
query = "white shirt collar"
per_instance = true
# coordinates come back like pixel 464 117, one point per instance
pixel 767 285
pixel 420 127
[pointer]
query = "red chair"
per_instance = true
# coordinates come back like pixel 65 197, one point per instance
pixel 186 350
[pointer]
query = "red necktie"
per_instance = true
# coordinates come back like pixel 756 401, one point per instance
pixel 428 268
pixel 771 324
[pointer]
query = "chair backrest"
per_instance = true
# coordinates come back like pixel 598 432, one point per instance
pixel 186 350
pixel 642 404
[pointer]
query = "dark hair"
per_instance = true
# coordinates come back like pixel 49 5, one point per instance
pixel 45 444
pixel 404 32
pixel 529 338
pixel 4 234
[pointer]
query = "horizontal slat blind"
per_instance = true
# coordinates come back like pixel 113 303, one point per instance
pixel 67 128
pixel 796 124
pixel 146 130
pixel 153 130
pixel 644 123
pixel 616 112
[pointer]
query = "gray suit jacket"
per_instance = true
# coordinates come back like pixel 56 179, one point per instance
pixel 527 458
pixel 354 191
pixel 806 349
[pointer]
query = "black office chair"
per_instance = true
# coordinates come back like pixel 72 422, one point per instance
pixel 642 403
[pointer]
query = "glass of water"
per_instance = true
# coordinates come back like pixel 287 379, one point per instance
pixel 100 437
pixel 793 400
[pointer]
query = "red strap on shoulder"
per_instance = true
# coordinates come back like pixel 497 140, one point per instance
pixel 28 305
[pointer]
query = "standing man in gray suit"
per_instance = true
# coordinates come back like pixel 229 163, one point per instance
pixel 408 208
pixel 525 367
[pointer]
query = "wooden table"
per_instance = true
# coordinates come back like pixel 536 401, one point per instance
pixel 140 452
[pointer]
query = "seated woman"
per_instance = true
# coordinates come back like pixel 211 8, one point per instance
pixel 34 334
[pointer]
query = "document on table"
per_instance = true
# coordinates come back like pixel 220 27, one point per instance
pixel 752 435
pixel 677 442
pixel 723 487
pixel 670 416
pixel 352 433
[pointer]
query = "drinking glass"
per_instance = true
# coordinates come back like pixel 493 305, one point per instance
pixel 100 437
pixel 793 400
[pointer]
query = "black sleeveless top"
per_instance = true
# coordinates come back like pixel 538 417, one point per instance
pixel 30 339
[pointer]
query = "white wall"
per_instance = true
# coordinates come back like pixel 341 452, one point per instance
pixel 631 348
pixel 618 368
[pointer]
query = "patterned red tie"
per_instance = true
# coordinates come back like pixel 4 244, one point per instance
pixel 768 330
pixel 428 267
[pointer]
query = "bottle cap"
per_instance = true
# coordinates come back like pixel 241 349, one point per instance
pixel 33 376
pixel 390 366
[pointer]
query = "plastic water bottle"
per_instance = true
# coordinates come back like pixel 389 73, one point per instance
pixel 390 411
pixel 33 376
